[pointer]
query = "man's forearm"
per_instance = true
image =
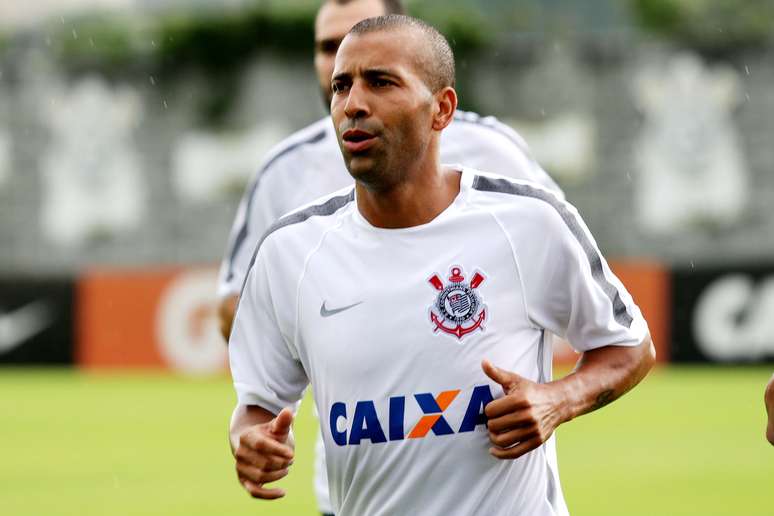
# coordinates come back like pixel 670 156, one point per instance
pixel 603 375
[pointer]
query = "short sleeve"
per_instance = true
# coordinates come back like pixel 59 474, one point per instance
pixel 264 364
pixel 569 287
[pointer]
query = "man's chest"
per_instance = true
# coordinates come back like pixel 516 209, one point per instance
pixel 377 312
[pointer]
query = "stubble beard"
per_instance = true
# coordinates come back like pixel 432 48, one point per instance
pixel 390 163
pixel 385 171
pixel 375 176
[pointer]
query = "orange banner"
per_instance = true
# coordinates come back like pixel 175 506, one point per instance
pixel 149 319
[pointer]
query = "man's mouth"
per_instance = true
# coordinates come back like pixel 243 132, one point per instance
pixel 357 140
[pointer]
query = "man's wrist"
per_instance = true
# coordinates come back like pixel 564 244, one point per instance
pixel 564 400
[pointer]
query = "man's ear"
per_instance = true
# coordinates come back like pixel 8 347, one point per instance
pixel 446 105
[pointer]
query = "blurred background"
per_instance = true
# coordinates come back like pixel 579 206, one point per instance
pixel 130 128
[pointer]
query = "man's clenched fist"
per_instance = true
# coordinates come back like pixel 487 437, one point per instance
pixel 524 418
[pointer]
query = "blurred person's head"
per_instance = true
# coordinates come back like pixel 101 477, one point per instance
pixel 334 19
pixel 393 94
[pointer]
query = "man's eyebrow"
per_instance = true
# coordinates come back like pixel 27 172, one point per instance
pixel 341 76
pixel 380 72
pixel 370 73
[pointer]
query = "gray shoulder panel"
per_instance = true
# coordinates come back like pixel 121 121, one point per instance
pixel 329 207
pixel 501 185
pixel 239 240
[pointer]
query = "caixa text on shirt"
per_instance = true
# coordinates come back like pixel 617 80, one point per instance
pixel 366 423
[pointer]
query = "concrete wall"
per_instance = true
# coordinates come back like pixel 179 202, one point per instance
pixel 666 155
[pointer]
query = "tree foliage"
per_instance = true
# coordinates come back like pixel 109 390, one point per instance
pixel 711 26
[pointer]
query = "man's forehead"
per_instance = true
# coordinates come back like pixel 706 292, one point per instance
pixel 334 20
pixel 381 49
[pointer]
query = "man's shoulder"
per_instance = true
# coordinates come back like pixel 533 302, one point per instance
pixel 524 199
pixel 316 136
pixel 506 190
pixel 486 129
pixel 287 242
pixel 528 212
pixel 303 223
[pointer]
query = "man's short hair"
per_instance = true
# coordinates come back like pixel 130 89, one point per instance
pixel 390 6
pixel 437 62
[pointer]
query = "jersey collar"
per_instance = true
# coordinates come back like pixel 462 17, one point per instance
pixel 466 180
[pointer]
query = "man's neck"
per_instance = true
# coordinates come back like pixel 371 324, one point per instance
pixel 413 202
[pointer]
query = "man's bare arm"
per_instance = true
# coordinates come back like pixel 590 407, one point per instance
pixel 768 397
pixel 226 312
pixel 529 412
pixel 262 445
pixel 604 375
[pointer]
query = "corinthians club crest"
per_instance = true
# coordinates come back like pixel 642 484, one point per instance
pixel 458 309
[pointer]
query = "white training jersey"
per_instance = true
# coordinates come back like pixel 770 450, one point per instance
pixel 309 164
pixel 390 327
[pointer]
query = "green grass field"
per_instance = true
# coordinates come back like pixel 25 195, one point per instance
pixel 687 441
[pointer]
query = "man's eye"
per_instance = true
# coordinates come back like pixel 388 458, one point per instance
pixel 338 87
pixel 382 83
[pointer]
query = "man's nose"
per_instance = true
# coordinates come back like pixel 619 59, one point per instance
pixel 357 102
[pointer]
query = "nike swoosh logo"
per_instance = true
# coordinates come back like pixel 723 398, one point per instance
pixel 333 311
pixel 22 324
